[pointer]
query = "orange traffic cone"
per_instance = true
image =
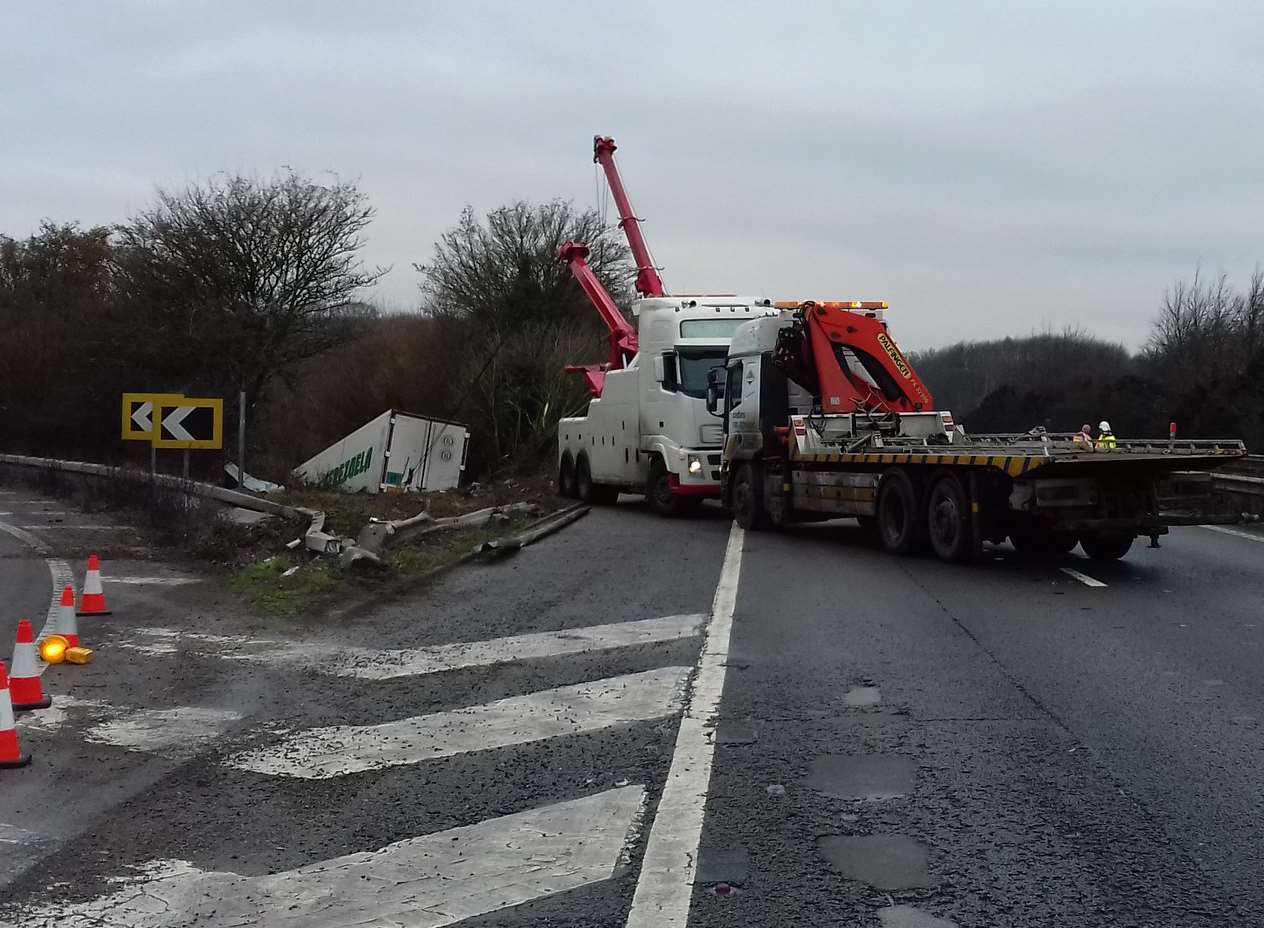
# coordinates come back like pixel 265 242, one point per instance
pixel 26 691
pixel 10 751
pixel 93 602
pixel 67 626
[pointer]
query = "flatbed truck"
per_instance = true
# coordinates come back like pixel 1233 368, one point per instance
pixel 824 417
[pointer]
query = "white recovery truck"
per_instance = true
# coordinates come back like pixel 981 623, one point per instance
pixel 647 428
pixel 824 417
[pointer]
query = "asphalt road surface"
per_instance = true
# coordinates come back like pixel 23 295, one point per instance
pixel 645 722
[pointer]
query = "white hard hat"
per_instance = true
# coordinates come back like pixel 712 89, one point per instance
pixel 1104 426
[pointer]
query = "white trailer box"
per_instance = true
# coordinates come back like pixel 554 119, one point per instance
pixel 396 451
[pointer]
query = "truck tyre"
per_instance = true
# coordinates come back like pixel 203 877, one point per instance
pixel 595 494
pixel 659 495
pixel 566 477
pixel 948 520
pixel 899 517
pixel 749 510
pixel 1105 547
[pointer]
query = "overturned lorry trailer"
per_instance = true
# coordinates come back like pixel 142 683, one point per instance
pixel 907 472
pixel 395 451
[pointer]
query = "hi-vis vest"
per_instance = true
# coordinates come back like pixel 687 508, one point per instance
pixel 1106 441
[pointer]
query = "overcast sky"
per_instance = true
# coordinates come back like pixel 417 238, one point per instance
pixel 988 168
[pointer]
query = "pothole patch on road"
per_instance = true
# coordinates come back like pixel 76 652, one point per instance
pixel 870 777
pixel 887 862
pixel 861 697
pixel 907 916
pixel 722 866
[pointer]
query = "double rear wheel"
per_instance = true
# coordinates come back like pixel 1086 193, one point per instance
pixel 907 518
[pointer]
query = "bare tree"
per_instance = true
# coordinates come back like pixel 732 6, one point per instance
pixel 520 317
pixel 251 276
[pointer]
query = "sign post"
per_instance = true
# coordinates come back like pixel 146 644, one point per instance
pixel 172 420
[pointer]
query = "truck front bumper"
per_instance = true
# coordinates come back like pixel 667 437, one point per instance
pixel 704 483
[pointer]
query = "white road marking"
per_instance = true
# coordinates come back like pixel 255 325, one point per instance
pixel 59 571
pixel 1232 531
pixel 320 753
pixel 382 664
pixel 425 882
pixel 154 581
pixel 665 885
pixel 103 528
pixel 180 731
pixel 1083 578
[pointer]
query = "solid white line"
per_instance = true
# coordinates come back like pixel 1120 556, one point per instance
pixel 665 885
pixel 1232 531
pixel 425 882
pixel 320 753
pixel 383 664
pixel 153 581
pixel 59 572
pixel 1083 578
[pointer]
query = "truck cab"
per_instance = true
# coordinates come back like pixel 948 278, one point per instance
pixel 650 430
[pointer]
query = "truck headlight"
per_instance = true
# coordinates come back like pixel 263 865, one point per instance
pixel 695 466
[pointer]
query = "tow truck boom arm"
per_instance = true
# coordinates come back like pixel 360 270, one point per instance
pixel 623 340
pixel 648 282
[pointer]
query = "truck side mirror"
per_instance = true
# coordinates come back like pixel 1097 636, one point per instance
pixel 665 371
pixel 715 389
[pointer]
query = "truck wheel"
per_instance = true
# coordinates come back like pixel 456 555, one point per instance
pixel 1105 547
pixel 659 495
pixel 899 518
pixel 566 477
pixel 595 494
pixel 748 498
pixel 948 520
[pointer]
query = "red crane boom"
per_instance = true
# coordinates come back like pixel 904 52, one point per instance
pixel 648 283
pixel 623 341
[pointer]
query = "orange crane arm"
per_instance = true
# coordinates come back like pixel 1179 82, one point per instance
pixel 827 332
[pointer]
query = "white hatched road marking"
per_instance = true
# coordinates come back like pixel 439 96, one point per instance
pixel 665 885
pixel 1083 578
pixel 320 753
pixel 382 664
pixel 1233 531
pixel 181 730
pixel 425 882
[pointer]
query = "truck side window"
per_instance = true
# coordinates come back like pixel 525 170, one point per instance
pixel 733 387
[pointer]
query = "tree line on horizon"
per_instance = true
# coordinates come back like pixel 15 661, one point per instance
pixel 1202 367
pixel 258 286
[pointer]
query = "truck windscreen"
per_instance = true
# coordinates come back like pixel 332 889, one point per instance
pixel 694 365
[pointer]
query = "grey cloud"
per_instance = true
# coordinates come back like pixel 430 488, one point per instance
pixel 989 167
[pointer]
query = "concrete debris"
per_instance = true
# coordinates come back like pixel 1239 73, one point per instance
pixel 353 556
pixel 534 532
pixel 374 536
pixel 238 516
pixel 247 482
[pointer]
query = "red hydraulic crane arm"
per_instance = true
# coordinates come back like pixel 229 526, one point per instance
pixel 834 326
pixel 648 283
pixel 623 341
